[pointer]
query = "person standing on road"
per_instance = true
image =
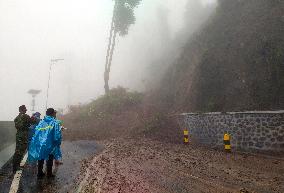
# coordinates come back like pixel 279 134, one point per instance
pixel 36 118
pixel 22 124
pixel 46 139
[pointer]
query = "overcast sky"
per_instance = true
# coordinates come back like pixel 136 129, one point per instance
pixel 32 32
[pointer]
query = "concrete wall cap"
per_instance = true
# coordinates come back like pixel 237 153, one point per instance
pixel 232 113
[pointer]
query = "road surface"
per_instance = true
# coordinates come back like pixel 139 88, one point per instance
pixel 6 154
pixel 66 175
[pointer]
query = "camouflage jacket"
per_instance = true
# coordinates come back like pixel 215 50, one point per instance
pixel 23 122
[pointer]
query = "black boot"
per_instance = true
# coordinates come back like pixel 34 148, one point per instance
pixel 40 173
pixel 49 165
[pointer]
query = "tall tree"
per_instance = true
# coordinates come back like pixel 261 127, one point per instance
pixel 123 17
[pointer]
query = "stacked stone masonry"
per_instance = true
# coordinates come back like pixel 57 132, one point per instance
pixel 262 131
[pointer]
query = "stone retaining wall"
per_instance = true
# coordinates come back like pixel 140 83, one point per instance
pixel 258 130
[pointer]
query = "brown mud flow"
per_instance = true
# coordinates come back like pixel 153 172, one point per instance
pixel 147 166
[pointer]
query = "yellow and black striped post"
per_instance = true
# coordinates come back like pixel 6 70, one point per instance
pixel 227 142
pixel 185 136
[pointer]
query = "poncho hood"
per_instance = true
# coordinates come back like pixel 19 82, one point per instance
pixel 48 119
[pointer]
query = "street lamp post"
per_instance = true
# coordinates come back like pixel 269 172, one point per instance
pixel 52 61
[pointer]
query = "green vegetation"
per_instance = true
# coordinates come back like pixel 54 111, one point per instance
pixel 120 113
pixel 117 100
pixel 111 115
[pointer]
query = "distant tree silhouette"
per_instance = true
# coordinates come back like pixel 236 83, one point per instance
pixel 123 17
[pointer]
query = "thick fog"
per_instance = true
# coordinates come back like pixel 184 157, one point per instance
pixel 33 32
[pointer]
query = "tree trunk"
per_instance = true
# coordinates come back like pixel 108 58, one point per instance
pixel 106 73
pixel 112 50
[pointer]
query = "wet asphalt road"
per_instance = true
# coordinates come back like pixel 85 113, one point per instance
pixel 6 154
pixel 66 174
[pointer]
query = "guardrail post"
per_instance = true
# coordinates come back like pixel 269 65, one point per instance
pixel 227 143
pixel 185 136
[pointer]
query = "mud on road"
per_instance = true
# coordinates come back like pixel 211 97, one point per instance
pixel 146 166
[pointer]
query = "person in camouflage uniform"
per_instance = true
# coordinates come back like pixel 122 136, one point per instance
pixel 22 124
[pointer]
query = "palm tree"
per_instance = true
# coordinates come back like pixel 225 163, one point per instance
pixel 123 17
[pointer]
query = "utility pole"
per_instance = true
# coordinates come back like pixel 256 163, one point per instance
pixel 52 61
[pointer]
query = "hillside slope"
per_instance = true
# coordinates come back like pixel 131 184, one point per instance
pixel 234 63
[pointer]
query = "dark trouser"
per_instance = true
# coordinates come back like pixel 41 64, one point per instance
pixel 21 147
pixel 49 164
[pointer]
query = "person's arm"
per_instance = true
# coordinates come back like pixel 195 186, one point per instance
pixel 32 120
pixel 28 121
pixel 57 134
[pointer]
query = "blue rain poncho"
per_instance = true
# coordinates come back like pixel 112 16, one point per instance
pixel 46 140
pixel 36 117
pixel 57 151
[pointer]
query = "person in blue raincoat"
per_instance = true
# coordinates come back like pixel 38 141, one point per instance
pixel 36 118
pixel 43 145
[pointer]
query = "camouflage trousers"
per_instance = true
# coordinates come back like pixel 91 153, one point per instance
pixel 21 148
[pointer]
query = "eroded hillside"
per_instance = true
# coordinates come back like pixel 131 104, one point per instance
pixel 234 63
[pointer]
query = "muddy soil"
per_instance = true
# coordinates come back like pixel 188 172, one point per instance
pixel 148 166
